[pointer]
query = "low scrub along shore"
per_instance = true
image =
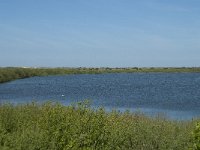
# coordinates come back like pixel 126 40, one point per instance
pixel 54 126
pixel 13 73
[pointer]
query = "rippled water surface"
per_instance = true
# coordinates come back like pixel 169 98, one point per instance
pixel 177 95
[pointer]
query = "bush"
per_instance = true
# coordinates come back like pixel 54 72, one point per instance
pixel 196 137
pixel 54 126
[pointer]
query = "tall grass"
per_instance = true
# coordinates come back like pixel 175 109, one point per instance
pixel 54 126
pixel 12 73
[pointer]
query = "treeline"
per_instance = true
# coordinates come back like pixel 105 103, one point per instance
pixel 12 73
pixel 54 126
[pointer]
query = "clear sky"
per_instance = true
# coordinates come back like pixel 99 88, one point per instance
pixel 100 33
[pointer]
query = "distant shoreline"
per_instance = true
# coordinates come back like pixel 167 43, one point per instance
pixel 12 73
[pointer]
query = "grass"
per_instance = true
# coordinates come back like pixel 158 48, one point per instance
pixel 54 126
pixel 13 73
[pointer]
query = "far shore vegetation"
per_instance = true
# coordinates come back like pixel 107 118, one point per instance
pixel 51 126
pixel 13 73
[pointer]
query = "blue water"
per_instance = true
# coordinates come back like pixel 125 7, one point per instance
pixel 176 95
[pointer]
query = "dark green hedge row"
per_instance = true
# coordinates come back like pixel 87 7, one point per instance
pixel 12 73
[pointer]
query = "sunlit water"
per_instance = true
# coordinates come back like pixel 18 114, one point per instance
pixel 176 95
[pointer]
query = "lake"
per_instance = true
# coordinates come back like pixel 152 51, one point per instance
pixel 176 95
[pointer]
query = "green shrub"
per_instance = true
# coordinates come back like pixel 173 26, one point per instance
pixel 196 137
pixel 54 126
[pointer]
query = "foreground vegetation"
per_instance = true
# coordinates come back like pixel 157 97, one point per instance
pixel 13 73
pixel 54 126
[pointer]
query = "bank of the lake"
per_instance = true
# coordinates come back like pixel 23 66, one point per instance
pixel 55 126
pixel 13 73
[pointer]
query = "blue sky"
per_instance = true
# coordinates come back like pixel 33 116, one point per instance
pixel 100 33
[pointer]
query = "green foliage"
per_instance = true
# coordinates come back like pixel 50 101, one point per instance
pixel 13 73
pixel 196 137
pixel 54 126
